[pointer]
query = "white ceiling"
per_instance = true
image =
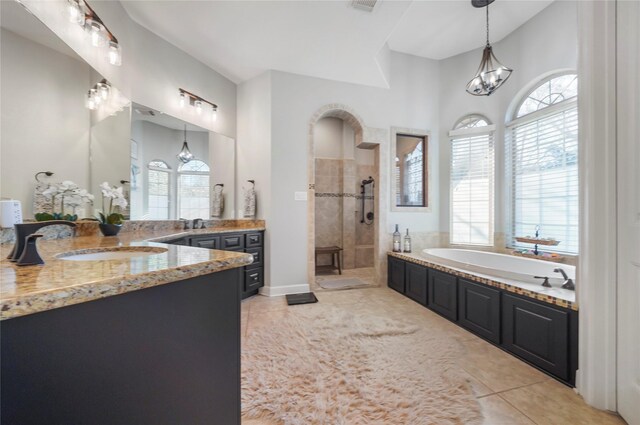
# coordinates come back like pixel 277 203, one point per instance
pixel 326 39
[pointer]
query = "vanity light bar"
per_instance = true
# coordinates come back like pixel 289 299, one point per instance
pixel 186 97
pixel 81 13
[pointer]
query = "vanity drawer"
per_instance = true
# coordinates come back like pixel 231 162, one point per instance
pixel 253 279
pixel 231 242
pixel 257 257
pixel 253 239
pixel 208 242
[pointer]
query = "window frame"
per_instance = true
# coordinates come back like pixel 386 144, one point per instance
pixel 515 121
pixel 169 171
pixel 181 173
pixel 490 131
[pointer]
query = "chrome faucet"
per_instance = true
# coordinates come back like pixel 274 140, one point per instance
pixel 568 283
pixel 25 252
pixel 195 223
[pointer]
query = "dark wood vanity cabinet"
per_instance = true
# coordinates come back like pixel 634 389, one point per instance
pixel 479 309
pixel 443 294
pixel 252 242
pixel 416 282
pixel 542 334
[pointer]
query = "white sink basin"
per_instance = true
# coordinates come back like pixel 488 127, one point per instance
pixel 105 254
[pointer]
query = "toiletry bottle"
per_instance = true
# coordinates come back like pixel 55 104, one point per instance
pixel 396 240
pixel 407 242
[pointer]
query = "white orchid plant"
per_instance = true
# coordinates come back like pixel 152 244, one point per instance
pixel 117 203
pixel 69 194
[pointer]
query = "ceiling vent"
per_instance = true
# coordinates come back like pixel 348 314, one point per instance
pixel 146 112
pixel 366 5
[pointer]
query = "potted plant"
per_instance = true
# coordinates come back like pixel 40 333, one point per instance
pixel 69 194
pixel 111 219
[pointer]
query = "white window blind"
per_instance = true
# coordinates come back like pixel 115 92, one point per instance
pixel 472 185
pixel 158 192
pixel 193 190
pixel 543 150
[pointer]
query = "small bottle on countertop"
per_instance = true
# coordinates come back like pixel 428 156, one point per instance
pixel 396 240
pixel 407 242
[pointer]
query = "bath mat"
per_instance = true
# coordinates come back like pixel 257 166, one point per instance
pixel 347 283
pixel 305 298
pixel 320 365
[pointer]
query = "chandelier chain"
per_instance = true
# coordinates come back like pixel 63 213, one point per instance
pixel 487 23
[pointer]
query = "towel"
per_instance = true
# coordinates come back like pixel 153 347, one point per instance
pixel 250 202
pixel 217 201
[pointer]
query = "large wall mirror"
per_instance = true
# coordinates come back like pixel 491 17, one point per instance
pixel 410 170
pixel 51 124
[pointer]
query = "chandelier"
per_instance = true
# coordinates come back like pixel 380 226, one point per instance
pixel 491 74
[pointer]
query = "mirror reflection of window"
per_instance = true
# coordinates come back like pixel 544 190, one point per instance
pixel 193 190
pixel 410 169
pixel 158 190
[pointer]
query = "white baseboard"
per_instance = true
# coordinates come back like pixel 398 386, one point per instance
pixel 276 291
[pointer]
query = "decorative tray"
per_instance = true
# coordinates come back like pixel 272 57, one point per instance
pixel 550 242
pixel 555 259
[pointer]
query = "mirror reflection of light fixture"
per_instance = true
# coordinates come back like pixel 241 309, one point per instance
pixel 79 12
pixel 491 74
pixel 188 98
pixel 98 95
pixel 185 154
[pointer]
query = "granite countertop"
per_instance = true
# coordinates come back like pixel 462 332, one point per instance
pixel 557 296
pixel 30 289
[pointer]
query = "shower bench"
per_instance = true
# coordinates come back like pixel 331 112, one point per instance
pixel 335 252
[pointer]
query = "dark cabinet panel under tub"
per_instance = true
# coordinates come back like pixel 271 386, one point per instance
pixel 416 282
pixel 479 309
pixel 443 294
pixel 540 333
pixel 537 333
pixel 169 354
pixel 396 274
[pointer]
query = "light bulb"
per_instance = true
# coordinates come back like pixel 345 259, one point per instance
pixel 183 99
pixel 198 105
pixel 103 90
pixel 96 30
pixel 214 114
pixel 115 55
pixel 75 12
pixel 90 100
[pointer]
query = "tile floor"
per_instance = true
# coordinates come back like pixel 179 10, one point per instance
pixel 366 274
pixel 509 391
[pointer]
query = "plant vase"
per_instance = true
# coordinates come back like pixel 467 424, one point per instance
pixel 110 229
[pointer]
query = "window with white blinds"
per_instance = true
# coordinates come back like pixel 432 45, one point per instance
pixel 472 182
pixel 542 158
pixel 193 190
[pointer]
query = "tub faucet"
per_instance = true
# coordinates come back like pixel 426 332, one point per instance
pixel 568 283
pixel 24 251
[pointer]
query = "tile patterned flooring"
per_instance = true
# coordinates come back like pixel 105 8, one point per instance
pixel 509 391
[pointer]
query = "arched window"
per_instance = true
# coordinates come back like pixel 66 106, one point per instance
pixel 542 158
pixel 472 181
pixel 193 190
pixel 158 190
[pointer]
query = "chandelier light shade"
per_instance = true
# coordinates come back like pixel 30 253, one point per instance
pixel 491 74
pixel 185 154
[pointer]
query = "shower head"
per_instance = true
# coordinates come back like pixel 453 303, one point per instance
pixel 368 181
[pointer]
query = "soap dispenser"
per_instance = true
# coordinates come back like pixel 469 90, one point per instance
pixel 407 242
pixel 396 240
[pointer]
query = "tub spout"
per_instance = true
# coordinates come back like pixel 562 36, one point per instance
pixel 568 282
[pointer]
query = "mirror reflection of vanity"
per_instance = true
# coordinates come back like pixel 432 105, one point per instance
pixel 49 124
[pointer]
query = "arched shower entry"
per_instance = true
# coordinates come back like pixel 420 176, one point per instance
pixel 344 197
